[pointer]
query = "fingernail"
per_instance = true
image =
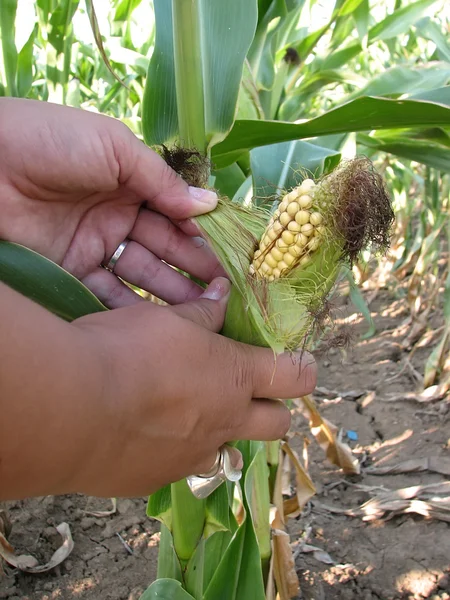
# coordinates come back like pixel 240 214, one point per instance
pixel 207 197
pixel 218 289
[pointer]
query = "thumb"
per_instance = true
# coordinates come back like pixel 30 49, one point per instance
pixel 209 309
pixel 162 189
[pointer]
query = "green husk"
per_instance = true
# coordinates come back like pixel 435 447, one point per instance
pixel 281 314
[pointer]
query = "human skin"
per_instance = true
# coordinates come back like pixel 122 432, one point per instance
pixel 122 402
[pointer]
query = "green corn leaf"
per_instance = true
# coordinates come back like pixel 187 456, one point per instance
pixel 8 9
pixel 239 575
pixel 280 166
pixel 423 151
pixel 227 181
pixel 166 589
pixel 408 80
pixel 46 283
pixel 361 16
pixel 169 566
pixel 25 65
pixel 430 30
pixel 217 49
pixel 399 21
pixel 358 115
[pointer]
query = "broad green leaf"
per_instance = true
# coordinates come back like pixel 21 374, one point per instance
pixel 361 16
pixel 426 152
pixel 338 59
pixel 46 283
pixel 226 30
pixel 239 576
pixel 125 8
pixel 399 21
pixel 358 115
pixel 61 23
pixel 229 180
pixel 8 10
pixel 166 589
pixel 25 65
pixel 439 96
pixel 282 166
pixel 168 562
pixel 408 80
pixel 430 30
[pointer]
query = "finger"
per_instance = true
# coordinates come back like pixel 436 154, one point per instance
pixel 288 375
pixel 191 254
pixel 142 268
pixel 265 420
pixel 209 310
pixel 110 290
pixel 146 174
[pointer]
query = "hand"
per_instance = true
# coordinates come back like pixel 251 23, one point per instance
pixel 74 185
pixel 177 391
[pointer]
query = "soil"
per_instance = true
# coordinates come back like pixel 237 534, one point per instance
pixel 404 557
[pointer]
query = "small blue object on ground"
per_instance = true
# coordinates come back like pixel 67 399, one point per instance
pixel 352 435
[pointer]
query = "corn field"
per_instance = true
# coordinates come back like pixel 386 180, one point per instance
pixel 325 129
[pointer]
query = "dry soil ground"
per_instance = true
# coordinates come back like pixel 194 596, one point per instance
pixel 406 557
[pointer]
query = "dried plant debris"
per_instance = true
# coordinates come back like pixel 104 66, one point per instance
pixel 435 464
pixel 326 435
pixel 28 563
pixel 430 501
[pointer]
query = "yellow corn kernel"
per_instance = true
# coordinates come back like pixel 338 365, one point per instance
pixel 269 259
pixel 284 218
pixel 293 226
pixel 282 245
pixel 295 251
pixel 282 266
pixel 266 269
pixel 271 234
pixel 277 227
pixel 307 185
pixel 276 273
pixel 313 244
pixel 276 254
pixel 301 240
pixel 283 206
pixel 292 209
pixel 302 217
pixel 288 237
pixel 292 195
pixel 305 260
pixel 305 201
pixel 315 219
pixel 288 259
pixel 320 230
pixel 307 229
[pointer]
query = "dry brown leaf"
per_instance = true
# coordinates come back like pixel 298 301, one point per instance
pixel 431 501
pixel 284 571
pixel 436 464
pixel 103 513
pixel 435 365
pixel 28 563
pixel 304 488
pixel 325 433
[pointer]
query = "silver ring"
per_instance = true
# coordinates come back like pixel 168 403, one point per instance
pixel 115 257
pixel 204 485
